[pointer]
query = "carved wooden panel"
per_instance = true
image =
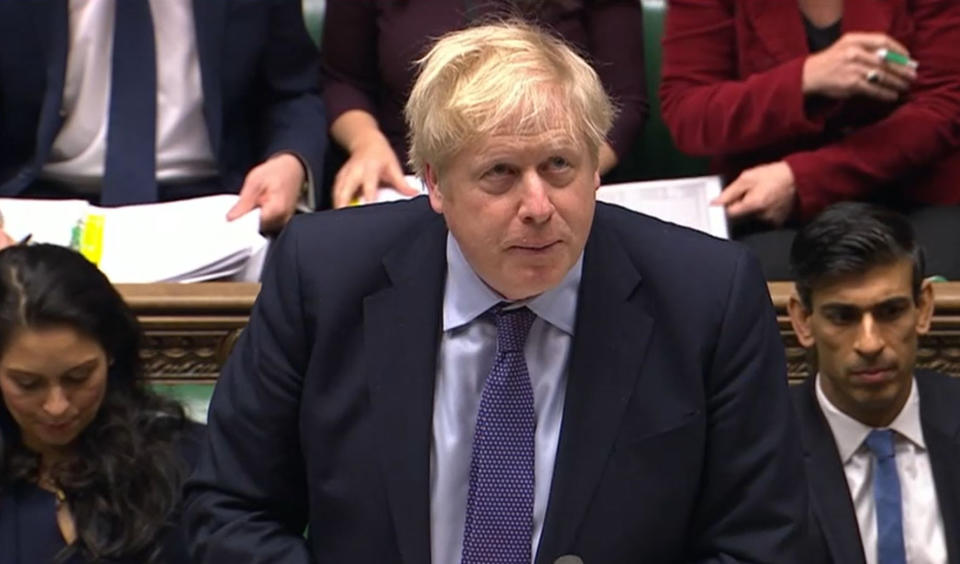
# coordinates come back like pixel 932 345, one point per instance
pixel 191 328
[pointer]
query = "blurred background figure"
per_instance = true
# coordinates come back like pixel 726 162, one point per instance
pixel 803 104
pixel 92 461
pixel 369 50
pixel 136 101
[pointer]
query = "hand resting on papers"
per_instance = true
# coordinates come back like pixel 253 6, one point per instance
pixel 274 187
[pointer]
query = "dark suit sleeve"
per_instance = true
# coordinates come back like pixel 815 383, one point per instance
pixel 247 499
pixel 294 119
pixel 615 40
pixel 753 504
pixel 351 66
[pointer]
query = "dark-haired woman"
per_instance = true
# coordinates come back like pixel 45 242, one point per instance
pixel 91 461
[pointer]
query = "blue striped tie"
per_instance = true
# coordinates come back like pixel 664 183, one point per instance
pixel 886 493
pixel 499 524
pixel 129 175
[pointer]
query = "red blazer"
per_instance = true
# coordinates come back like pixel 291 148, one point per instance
pixel 731 89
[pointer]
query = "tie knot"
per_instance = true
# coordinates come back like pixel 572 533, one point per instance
pixel 880 442
pixel 512 327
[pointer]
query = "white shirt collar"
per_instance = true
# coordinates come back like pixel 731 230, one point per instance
pixel 466 296
pixel 850 433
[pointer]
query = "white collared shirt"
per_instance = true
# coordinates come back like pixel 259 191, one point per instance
pixel 923 532
pixel 466 356
pixel 183 142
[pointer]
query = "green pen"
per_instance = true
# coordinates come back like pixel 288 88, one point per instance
pixel 889 56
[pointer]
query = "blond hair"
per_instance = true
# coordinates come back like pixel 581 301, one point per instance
pixel 503 77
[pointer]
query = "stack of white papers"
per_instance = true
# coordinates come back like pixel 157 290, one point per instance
pixel 684 201
pixel 183 241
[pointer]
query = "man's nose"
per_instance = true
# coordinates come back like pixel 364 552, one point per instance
pixel 869 340
pixel 536 206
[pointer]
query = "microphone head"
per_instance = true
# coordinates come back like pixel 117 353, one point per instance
pixel 568 559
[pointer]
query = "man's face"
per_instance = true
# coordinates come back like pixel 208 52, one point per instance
pixel 520 207
pixel 864 329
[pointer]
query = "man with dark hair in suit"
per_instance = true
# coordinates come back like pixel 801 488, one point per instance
pixel 503 371
pixel 882 439
pixel 136 101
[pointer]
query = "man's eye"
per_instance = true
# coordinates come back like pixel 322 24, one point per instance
pixel 889 312
pixel 558 163
pixel 843 316
pixel 497 170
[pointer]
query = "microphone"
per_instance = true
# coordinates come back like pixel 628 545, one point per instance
pixel 568 559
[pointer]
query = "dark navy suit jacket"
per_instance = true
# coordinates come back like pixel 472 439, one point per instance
pixel 835 522
pixel 677 442
pixel 259 73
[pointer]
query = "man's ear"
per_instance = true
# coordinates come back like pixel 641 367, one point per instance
pixel 925 307
pixel 433 187
pixel 800 320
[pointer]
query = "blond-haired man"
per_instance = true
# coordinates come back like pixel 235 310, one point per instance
pixel 503 371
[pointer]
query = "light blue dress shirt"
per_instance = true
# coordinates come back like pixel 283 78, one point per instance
pixel 466 356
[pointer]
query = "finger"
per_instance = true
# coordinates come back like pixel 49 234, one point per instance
pixel 249 194
pixel 370 186
pixel 889 79
pixel 346 186
pixel 735 191
pixel 273 216
pixel 880 76
pixel 874 89
pixel 874 41
pixel 741 208
pixel 903 72
pixel 396 178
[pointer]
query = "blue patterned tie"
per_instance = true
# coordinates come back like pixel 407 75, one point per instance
pixel 129 175
pixel 886 493
pixel 499 524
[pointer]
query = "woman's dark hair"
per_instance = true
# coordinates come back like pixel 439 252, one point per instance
pixel 123 480
pixel 851 238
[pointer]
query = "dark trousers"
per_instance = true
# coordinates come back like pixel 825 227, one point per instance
pixel 937 230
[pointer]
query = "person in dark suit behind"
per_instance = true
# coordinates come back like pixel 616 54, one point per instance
pixel 882 439
pixel 503 371
pixel 198 97
pixel 91 461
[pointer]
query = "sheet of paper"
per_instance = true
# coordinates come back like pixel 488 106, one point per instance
pixel 187 239
pixel 684 201
pixel 47 221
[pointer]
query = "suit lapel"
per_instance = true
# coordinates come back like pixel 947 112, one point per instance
pixel 780 27
pixel 402 329
pixel 828 484
pixel 210 20
pixel 53 27
pixel 611 336
pixel 941 430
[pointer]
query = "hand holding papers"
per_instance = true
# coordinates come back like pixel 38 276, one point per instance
pixel 183 241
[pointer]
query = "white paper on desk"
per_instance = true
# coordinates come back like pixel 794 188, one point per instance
pixel 47 221
pixel 684 201
pixel 186 240
pixel 391 194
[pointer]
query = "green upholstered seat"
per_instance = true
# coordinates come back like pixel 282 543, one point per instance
pixel 654 156
pixel 313 11
pixel 194 397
